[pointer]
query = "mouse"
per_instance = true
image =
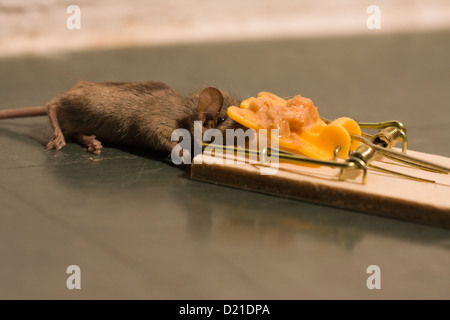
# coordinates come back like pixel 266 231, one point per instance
pixel 142 114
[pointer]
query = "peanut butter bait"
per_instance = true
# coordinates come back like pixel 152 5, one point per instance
pixel 299 125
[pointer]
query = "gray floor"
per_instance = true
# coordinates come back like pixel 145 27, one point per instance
pixel 140 229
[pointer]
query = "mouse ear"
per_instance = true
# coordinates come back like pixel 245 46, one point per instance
pixel 209 105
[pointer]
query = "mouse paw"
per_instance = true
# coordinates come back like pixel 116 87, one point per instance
pixel 95 146
pixel 56 141
pixel 90 142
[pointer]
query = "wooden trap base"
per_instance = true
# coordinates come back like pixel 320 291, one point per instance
pixel 383 194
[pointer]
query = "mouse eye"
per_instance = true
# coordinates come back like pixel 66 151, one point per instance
pixel 221 119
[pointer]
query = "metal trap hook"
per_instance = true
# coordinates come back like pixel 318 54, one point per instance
pixel 402 157
pixel 390 133
pixel 362 158
pixel 355 162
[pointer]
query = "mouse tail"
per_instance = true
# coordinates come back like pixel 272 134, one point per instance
pixel 23 112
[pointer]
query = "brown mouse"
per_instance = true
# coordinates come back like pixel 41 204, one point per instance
pixel 142 114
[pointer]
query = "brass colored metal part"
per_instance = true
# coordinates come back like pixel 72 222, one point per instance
pixel 361 158
pixel 404 158
pixel 389 133
pixel 384 124
pixel 389 137
pixel 335 154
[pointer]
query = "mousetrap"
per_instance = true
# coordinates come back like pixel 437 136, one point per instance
pixel 375 177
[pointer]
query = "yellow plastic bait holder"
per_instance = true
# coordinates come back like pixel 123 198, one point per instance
pixel 301 130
